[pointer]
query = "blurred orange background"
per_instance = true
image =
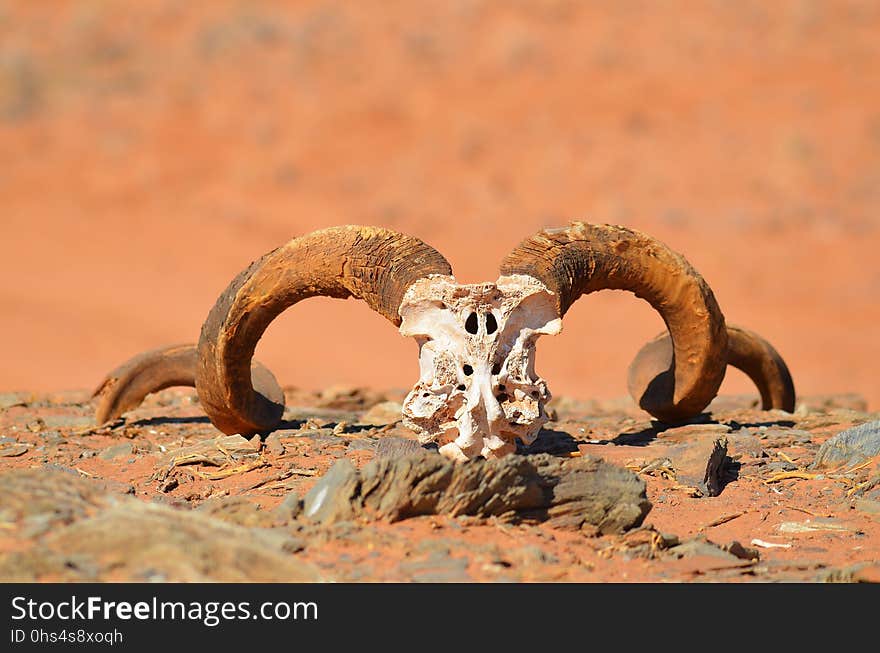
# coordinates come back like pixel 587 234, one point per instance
pixel 151 150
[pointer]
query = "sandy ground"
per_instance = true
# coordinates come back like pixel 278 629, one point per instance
pixel 150 151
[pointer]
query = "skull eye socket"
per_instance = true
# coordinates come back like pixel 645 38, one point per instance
pixel 491 323
pixel 467 369
pixel 472 325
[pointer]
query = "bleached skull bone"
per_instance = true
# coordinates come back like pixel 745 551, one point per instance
pixel 478 390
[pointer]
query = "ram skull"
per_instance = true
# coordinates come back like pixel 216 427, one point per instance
pixel 478 392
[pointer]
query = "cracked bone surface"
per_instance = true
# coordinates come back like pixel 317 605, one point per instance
pixel 478 390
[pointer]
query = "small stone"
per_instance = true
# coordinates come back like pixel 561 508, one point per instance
pixel 392 446
pixel 13 450
pixel 237 510
pixel 701 547
pixel 533 554
pixel 744 442
pixel 690 431
pixel 117 451
pixel 67 421
pixel 697 457
pixel 387 412
pixel 801 437
pixel 331 497
pixel 168 485
pixel 346 397
pixel 53 437
pixel 867 505
pixel 812 526
pixel 274 445
pixel 742 552
pixel 114 487
pixel 290 508
pixel 780 466
pixel 437 568
pixel 778 437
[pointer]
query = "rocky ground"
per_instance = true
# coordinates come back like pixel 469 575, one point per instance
pixel 604 494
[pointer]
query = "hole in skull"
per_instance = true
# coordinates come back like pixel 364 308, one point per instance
pixel 536 394
pixel 501 397
pixel 467 369
pixel 471 325
pixel 491 324
pixel 496 368
pixel 426 394
pixel 461 387
pixel 501 386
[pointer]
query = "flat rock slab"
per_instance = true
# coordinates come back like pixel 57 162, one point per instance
pixel 850 447
pixel 69 529
pixel 214 451
pixel 395 447
pixel 387 412
pixel 13 450
pixel 578 493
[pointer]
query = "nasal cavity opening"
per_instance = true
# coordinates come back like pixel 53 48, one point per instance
pixel 467 369
pixel 471 325
pixel 491 324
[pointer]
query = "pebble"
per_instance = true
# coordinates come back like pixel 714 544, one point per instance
pixel 867 505
pixel 13 450
pixel 387 412
pixel 117 451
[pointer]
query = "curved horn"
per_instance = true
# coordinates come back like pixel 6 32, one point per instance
pixel 369 263
pixel 747 351
pixel 583 258
pixel 125 387
pixel 756 357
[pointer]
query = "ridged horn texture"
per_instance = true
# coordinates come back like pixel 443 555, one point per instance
pixel 583 258
pixel 369 263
